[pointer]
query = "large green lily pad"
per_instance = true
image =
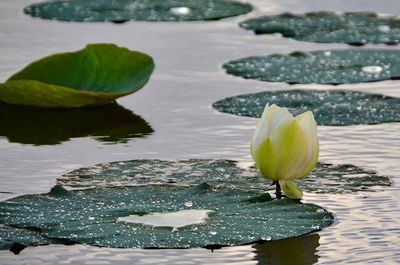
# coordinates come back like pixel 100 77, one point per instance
pixel 95 216
pixel 320 67
pixel 147 10
pixel 330 107
pixel 327 27
pixel 95 75
pixel 220 174
pixel 110 124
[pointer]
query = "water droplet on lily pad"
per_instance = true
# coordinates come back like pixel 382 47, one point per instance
pixel 143 10
pixel 267 238
pixel 183 11
pixel 330 107
pixel 340 67
pixel 188 204
pixel 372 69
pixel 355 28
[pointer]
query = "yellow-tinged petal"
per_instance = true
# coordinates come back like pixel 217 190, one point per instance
pixel 309 126
pixel 290 189
pixel 278 117
pixel 271 120
pixel 291 149
pixel 266 159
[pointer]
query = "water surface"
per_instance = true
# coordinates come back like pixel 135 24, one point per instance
pixel 176 102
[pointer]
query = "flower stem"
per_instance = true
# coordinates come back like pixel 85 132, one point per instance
pixel 278 192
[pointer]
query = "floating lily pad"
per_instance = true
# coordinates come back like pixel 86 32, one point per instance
pixel 48 126
pixel 13 237
pixel 148 10
pixel 321 67
pixel 220 174
pixel 95 75
pixel 332 107
pixel 98 216
pixel 327 27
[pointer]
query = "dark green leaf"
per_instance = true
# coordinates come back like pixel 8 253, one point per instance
pixel 320 67
pixel 330 107
pixel 350 28
pixel 92 216
pixel 120 11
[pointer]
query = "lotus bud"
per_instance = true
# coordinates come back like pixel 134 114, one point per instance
pixel 285 148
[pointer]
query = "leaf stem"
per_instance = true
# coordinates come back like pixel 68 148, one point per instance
pixel 278 192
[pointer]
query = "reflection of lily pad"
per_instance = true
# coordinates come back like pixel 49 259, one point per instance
pixel 148 10
pixel 321 67
pixel 44 126
pixel 91 216
pixel 332 107
pixel 221 174
pixel 95 75
pixel 351 28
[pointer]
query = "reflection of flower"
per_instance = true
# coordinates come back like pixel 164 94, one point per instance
pixel 285 148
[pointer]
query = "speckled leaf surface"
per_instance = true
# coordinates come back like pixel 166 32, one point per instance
pixel 327 27
pixel 320 67
pixel 220 174
pixel 330 107
pixel 91 216
pixel 94 75
pixel 147 10
pixel 11 236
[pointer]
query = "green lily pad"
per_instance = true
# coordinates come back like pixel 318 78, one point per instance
pixel 94 75
pixel 332 107
pixel 148 10
pixel 12 236
pixel 220 174
pixel 98 216
pixel 320 67
pixel 110 124
pixel 351 28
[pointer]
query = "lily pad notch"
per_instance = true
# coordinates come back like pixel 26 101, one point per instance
pixel 95 75
pixel 355 28
pixel 331 67
pixel 120 11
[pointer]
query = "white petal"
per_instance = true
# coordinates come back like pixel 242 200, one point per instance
pixel 309 126
pixel 277 119
pixel 261 131
pixel 307 123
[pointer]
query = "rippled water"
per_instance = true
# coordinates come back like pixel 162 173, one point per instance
pixel 176 103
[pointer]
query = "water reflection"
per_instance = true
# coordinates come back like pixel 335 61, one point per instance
pixel 111 123
pixel 295 251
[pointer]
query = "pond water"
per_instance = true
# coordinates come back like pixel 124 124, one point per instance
pixel 176 103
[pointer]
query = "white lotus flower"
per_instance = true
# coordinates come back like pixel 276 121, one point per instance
pixel 285 148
